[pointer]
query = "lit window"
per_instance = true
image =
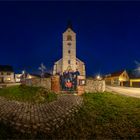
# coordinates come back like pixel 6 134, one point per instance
pixel 8 79
pixel 29 76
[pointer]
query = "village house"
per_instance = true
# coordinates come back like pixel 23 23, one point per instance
pixel 18 78
pixel 135 82
pixel 6 74
pixel 26 76
pixel 134 79
pixel 117 78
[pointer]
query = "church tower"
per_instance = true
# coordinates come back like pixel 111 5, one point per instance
pixel 69 49
pixel 69 61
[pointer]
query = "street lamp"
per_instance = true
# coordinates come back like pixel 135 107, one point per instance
pixel 98 77
pixel 24 75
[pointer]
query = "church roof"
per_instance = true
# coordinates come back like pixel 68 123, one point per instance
pixel 77 59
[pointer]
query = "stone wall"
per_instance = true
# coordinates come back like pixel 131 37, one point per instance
pixel 91 84
pixel 55 83
pixel 45 82
pixel 94 85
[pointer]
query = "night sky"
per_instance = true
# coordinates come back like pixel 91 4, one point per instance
pixel 108 34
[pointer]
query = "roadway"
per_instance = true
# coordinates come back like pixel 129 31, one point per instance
pixel 128 91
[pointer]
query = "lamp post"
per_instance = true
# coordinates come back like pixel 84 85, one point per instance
pixel 98 77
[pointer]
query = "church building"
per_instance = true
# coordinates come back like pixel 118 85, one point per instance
pixel 69 61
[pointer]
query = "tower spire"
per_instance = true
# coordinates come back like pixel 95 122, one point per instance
pixel 69 24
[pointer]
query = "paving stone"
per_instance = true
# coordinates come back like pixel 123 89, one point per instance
pixel 29 118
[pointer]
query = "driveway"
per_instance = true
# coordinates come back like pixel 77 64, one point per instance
pixel 128 91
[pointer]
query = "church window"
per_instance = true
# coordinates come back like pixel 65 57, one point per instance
pixel 68 61
pixel 69 44
pixel 69 51
pixel 69 37
pixel 8 73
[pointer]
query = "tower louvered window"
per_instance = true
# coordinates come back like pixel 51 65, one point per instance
pixel 69 38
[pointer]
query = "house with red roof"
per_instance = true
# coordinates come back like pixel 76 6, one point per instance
pixel 117 78
pixel 6 74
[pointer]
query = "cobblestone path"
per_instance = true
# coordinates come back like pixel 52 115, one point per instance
pixel 31 118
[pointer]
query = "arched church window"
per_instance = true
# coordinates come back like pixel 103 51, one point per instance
pixel 69 38
pixel 68 61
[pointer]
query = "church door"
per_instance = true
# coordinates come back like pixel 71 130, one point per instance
pixel 68 81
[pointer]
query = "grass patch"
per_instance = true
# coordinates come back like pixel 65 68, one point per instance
pixel 28 94
pixel 103 116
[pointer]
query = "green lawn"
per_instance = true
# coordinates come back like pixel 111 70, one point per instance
pixel 27 94
pixel 103 116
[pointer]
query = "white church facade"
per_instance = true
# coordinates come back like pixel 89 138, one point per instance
pixel 69 61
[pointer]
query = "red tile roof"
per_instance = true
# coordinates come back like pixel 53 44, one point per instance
pixel 117 73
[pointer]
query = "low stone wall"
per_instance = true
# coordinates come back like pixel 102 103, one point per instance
pixel 45 82
pixel 91 84
pixel 55 83
pixel 94 85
